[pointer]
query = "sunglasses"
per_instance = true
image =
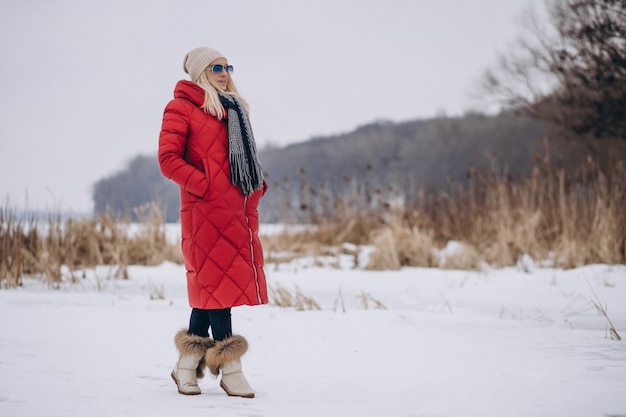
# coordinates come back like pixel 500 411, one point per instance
pixel 217 69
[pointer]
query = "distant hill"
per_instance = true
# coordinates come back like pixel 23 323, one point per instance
pixel 406 156
pixel 426 151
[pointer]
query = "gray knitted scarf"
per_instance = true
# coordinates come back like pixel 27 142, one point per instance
pixel 245 169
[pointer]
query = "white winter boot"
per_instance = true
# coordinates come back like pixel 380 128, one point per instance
pixel 191 363
pixel 234 382
pixel 226 357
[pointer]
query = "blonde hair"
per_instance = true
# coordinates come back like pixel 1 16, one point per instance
pixel 212 103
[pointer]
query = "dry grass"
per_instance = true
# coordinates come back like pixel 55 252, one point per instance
pixel 319 241
pixel 568 218
pixel 282 297
pixel 398 245
pixel 31 248
pixel 367 301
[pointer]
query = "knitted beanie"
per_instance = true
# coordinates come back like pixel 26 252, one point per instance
pixel 197 60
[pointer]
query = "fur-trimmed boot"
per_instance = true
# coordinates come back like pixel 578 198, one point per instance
pixel 191 362
pixel 226 357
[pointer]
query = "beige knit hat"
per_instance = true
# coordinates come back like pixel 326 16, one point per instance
pixel 197 60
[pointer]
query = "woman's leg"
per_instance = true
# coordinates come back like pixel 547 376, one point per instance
pixel 199 322
pixel 218 320
pixel 220 323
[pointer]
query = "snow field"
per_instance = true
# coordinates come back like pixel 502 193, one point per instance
pixel 448 343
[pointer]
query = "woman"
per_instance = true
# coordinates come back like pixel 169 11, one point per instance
pixel 206 146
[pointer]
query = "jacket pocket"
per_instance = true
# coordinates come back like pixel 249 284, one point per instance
pixel 207 175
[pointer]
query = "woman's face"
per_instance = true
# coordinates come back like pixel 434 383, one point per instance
pixel 219 80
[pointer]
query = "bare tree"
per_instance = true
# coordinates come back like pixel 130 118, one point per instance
pixel 570 70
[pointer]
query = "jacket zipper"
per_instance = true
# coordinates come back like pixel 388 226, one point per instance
pixel 256 276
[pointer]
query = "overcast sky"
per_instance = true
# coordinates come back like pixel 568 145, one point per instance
pixel 84 83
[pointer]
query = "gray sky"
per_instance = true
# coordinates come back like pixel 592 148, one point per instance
pixel 84 83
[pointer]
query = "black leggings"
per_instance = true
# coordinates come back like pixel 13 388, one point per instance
pixel 218 320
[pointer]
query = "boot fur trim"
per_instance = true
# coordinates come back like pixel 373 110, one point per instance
pixel 190 344
pixel 225 351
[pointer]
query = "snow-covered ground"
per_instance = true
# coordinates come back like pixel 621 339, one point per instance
pixel 510 342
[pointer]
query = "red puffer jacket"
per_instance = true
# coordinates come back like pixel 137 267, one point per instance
pixel 220 226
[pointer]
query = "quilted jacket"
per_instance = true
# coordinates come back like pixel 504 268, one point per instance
pixel 220 226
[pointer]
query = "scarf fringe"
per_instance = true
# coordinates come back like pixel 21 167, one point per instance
pixel 242 177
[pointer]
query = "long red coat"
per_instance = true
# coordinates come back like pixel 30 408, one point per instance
pixel 220 225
